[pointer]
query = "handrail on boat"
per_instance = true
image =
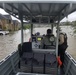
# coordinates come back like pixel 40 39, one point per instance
pixel 1 61
pixel 11 61
pixel 71 58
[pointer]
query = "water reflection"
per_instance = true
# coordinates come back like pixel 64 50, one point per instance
pixel 9 43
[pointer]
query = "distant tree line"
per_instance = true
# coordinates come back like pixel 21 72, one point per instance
pixel 67 23
pixel 26 26
pixel 74 26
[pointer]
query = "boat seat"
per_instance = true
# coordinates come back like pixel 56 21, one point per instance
pixel 27 61
pixel 38 63
pixel 50 64
pixel 27 55
pixel 39 57
pixel 50 58
pixel 26 47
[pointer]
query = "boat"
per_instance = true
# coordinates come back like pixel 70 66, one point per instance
pixel 29 58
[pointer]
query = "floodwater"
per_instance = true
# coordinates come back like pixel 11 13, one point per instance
pixel 9 43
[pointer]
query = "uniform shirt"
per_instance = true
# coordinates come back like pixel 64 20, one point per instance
pixel 45 41
pixel 61 39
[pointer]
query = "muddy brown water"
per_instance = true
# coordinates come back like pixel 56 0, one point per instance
pixel 9 43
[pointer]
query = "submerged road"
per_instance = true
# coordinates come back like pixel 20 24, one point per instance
pixel 9 43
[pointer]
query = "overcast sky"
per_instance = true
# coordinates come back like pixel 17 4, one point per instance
pixel 3 13
pixel 71 17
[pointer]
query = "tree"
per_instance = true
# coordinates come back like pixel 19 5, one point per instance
pixel 28 26
pixel 67 23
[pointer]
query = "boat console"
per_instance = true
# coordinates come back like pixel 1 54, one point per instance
pixel 36 41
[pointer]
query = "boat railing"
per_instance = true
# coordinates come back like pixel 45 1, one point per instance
pixel 9 64
pixel 69 65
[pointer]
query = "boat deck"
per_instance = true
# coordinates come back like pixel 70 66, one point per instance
pixel 22 73
pixel 39 66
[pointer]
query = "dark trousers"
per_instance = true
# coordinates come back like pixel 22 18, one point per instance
pixel 61 52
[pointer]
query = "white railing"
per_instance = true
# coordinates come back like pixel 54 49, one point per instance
pixel 8 64
pixel 69 65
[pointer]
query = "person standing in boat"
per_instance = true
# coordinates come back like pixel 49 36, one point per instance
pixel 62 45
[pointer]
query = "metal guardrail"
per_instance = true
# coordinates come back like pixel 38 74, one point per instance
pixel 69 65
pixel 9 63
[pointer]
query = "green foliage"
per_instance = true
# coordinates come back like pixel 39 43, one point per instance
pixel 74 26
pixel 28 26
pixel 67 23
pixel 74 23
pixel 74 31
pixel 4 28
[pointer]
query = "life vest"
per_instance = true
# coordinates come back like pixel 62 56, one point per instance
pixel 50 41
pixel 65 41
